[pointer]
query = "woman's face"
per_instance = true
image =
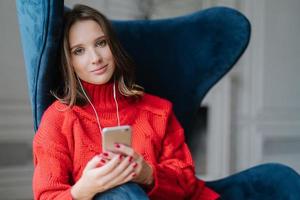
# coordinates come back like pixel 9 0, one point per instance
pixel 91 56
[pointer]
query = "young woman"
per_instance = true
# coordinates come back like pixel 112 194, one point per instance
pixel 100 91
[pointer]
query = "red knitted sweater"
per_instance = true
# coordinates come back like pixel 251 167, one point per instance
pixel 68 138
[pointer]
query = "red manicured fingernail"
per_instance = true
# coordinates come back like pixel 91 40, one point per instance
pixel 130 158
pixel 120 157
pixel 103 161
pixel 135 165
pixel 105 154
pixel 134 174
pixel 99 165
pixel 117 146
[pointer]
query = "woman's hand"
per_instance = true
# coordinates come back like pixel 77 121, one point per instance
pixel 143 171
pixel 111 173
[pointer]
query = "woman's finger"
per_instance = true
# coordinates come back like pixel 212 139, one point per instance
pixel 93 163
pixel 130 171
pixel 123 149
pixel 108 167
pixel 108 155
pixel 105 158
pixel 124 176
pixel 114 174
pixel 130 177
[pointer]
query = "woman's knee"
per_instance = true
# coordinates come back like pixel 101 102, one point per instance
pixel 128 191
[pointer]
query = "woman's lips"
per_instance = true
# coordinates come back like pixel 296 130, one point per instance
pixel 99 70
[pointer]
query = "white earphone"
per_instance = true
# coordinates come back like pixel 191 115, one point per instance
pixel 96 114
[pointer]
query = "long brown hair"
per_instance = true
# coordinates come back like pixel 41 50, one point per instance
pixel 124 71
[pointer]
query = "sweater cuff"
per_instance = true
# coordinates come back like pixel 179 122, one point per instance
pixel 66 195
pixel 154 186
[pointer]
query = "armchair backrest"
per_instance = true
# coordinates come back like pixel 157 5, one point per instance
pixel 178 58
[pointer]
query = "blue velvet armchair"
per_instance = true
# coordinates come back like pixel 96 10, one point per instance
pixel 179 59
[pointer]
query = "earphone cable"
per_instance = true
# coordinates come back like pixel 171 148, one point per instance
pixel 94 109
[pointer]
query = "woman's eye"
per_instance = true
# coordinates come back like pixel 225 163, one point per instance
pixel 101 43
pixel 78 51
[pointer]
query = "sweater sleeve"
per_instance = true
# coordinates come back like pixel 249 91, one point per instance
pixel 52 163
pixel 174 175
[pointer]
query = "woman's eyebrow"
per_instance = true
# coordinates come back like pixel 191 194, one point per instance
pixel 98 38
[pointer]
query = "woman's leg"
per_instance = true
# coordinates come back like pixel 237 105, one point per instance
pixel 263 182
pixel 127 191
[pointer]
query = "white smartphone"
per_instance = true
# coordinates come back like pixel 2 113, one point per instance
pixel 116 134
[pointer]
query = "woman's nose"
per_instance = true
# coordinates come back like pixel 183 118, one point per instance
pixel 95 56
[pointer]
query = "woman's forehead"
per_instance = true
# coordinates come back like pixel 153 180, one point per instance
pixel 84 31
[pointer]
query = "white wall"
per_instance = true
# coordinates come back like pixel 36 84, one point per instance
pixel 267 117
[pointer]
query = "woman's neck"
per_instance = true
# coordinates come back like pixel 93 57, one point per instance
pixel 102 96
